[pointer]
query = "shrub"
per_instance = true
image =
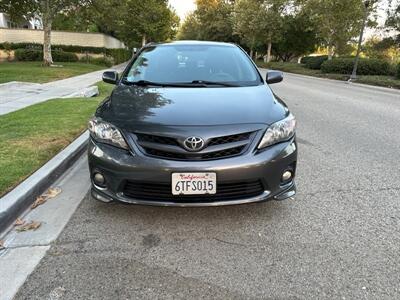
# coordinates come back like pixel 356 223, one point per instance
pixel 365 66
pixel 315 62
pixel 62 56
pixel 101 61
pixel 28 55
pixel 37 55
pixel 398 71
pixel 305 59
pixel 118 55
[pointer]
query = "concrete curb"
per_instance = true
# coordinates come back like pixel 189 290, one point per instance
pixel 13 204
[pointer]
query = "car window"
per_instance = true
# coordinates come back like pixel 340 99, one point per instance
pixel 187 63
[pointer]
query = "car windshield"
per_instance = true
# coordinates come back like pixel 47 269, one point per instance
pixel 217 65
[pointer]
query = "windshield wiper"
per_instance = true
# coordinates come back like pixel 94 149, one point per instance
pixel 196 83
pixel 206 82
pixel 150 83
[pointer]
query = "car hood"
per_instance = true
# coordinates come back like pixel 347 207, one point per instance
pixel 131 106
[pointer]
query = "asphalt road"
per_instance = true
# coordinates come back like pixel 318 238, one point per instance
pixel 339 238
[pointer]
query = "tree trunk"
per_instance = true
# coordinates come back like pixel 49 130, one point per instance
pixel 269 51
pixel 356 61
pixel 330 52
pixel 47 58
pixel 251 53
pixel 144 41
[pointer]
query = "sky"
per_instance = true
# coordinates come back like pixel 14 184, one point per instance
pixel 183 7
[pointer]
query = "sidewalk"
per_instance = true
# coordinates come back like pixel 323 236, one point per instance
pixel 17 95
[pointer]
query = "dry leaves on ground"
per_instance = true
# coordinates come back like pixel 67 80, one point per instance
pixel 32 225
pixel 2 245
pixel 19 222
pixel 50 193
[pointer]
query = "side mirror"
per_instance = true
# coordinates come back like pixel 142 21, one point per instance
pixel 110 77
pixel 274 77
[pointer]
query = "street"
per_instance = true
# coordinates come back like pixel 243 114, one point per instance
pixel 338 239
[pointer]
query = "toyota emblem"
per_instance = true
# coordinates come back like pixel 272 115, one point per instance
pixel 194 143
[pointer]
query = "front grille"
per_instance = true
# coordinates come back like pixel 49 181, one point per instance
pixel 162 192
pixel 213 155
pixel 156 139
pixel 164 154
pixel 229 139
pixel 171 148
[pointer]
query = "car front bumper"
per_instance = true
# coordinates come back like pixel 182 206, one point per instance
pixel 119 166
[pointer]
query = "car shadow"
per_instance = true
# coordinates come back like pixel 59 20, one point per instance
pixel 181 216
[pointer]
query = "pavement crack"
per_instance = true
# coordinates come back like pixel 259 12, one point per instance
pixel 232 243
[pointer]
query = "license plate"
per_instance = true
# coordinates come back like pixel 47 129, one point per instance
pixel 194 183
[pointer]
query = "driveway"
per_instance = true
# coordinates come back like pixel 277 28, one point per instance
pixel 17 95
pixel 339 238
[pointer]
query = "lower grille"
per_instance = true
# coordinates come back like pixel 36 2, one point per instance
pixel 162 192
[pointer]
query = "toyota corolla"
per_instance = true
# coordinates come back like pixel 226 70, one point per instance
pixel 192 124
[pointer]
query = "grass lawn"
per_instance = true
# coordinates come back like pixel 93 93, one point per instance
pixel 32 136
pixel 385 81
pixel 34 72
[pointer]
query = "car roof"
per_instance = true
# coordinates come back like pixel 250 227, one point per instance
pixel 192 43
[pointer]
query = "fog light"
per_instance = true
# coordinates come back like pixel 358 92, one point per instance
pixel 286 176
pixel 99 179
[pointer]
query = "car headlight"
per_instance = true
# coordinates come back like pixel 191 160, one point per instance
pixel 279 132
pixel 106 133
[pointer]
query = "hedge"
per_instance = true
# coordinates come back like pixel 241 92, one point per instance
pixel 314 62
pixel 101 61
pixel 305 59
pixel 118 55
pixel 365 67
pixel 398 71
pixel 37 55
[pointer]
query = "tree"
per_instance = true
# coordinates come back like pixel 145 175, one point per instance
pixel 298 37
pixel 387 48
pixel 46 9
pixel 249 22
pixel 258 21
pixel 338 21
pixel 76 19
pixel 190 29
pixel 393 21
pixel 211 21
pixel 135 20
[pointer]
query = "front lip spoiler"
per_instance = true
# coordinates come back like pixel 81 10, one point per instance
pixel 265 196
pixel 105 198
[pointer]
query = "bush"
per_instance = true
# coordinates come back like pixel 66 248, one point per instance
pixel 305 59
pixel 365 66
pixel 37 55
pixel 398 71
pixel 64 56
pixel 315 62
pixel 28 55
pixel 101 61
pixel 119 55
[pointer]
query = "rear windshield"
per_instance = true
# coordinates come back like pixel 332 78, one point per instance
pixel 188 63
